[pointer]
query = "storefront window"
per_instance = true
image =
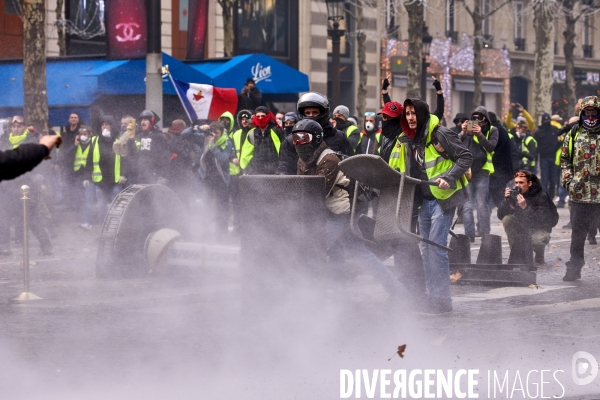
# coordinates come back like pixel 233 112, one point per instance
pixel 264 26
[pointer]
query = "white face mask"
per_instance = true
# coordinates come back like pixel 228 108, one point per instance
pixel 369 126
pixel 84 138
pixel 106 133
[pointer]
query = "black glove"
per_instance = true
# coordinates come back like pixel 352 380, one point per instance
pixel 437 85
pixel 385 84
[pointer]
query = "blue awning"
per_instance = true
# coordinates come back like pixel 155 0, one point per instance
pixel 74 85
pixel 271 76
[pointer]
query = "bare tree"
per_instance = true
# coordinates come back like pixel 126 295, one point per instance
pixel 35 98
pixel 544 12
pixel 416 16
pixel 228 34
pixel 60 29
pixel 478 16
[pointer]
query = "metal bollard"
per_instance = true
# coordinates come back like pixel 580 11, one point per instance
pixel 26 295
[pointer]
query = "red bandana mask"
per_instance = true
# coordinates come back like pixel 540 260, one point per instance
pixel 264 121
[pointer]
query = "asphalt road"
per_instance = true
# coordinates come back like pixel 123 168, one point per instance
pixel 201 335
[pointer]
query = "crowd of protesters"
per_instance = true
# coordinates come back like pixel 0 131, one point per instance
pixel 475 162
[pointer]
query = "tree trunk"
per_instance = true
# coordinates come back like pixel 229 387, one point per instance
pixel 544 59
pixel 35 98
pixel 228 35
pixel 60 29
pixel 415 48
pixel 569 47
pixel 477 45
pixel 361 39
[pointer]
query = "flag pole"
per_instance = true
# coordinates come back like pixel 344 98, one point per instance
pixel 166 69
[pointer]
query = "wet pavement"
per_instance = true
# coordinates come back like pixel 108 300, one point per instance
pixel 195 335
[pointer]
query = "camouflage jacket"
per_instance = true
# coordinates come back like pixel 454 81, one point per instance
pixel 580 166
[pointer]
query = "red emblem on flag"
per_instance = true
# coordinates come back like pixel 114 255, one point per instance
pixel 198 95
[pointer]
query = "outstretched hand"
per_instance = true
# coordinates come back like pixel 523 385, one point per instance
pixel 50 141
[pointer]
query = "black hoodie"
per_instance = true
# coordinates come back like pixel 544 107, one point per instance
pixel 546 137
pixel 454 150
pixel 540 212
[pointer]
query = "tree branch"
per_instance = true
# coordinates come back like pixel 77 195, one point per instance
pixel 489 14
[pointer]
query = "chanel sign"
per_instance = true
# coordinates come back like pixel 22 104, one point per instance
pixel 126 29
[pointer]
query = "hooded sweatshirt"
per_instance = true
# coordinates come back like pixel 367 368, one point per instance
pixel 454 150
pixel 540 212
pixel 478 150
pixel 229 126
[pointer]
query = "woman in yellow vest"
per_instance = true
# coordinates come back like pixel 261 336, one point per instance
pixel 101 171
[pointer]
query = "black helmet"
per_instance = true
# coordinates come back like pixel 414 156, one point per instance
pixel 312 127
pixel 149 115
pixel 314 99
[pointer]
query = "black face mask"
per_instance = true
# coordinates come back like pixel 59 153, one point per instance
pixel 391 128
pixel 340 123
pixel 288 129
pixel 305 151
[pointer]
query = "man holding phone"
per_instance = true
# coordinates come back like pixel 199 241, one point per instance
pixel 480 137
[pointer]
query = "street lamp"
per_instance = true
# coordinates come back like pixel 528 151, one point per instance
pixel 426 43
pixel 335 13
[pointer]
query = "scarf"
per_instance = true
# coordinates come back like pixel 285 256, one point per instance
pixel 264 122
pixel 17 140
pixel 391 128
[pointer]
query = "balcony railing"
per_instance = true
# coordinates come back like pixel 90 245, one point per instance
pixel 519 44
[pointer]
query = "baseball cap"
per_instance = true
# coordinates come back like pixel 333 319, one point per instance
pixel 392 109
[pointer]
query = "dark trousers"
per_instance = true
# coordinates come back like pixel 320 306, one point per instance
pixel 550 176
pixel 11 214
pixel 581 221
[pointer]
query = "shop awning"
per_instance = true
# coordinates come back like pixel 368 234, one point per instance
pixel 73 85
pixel 272 77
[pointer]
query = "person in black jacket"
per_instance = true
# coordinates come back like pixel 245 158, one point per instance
pixel 546 137
pixel 502 160
pixel 315 106
pixel 250 97
pixel 26 157
pixel 529 212
pixel 153 155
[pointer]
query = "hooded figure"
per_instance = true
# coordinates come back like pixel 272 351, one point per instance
pixel 371 134
pixel 153 155
pixel 228 122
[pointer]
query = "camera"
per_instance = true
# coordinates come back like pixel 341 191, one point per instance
pixel 514 192
pixel 470 124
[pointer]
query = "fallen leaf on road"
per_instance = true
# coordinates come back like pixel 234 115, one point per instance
pixel 455 277
pixel 400 352
pixel 558 265
pixel 532 286
pixel 549 252
pixel 586 266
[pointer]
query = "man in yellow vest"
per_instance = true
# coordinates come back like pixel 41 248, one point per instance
pixel 480 137
pixel 102 172
pixel 260 151
pixel 431 152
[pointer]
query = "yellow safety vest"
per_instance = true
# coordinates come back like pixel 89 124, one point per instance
pixel 435 163
pixel 349 130
pixel 236 138
pixel 488 166
pixel 97 172
pixel 524 149
pixel 81 156
pixel 248 148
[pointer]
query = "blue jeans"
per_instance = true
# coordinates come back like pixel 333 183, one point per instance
pixel 104 196
pixel 434 224
pixel 550 173
pixel 479 197
pixel 338 228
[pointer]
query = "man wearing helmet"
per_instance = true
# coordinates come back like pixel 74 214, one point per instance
pixel 580 176
pixel 314 106
pixel 153 154
pixel 317 159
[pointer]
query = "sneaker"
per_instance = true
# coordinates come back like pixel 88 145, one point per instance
pixel 539 260
pixel 477 234
pixel 472 239
pixel 85 226
pixel 592 240
pixel 567 226
pixel 560 204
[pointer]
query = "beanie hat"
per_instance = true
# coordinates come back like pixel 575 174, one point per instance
pixel 290 116
pixel 352 120
pixel 343 111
